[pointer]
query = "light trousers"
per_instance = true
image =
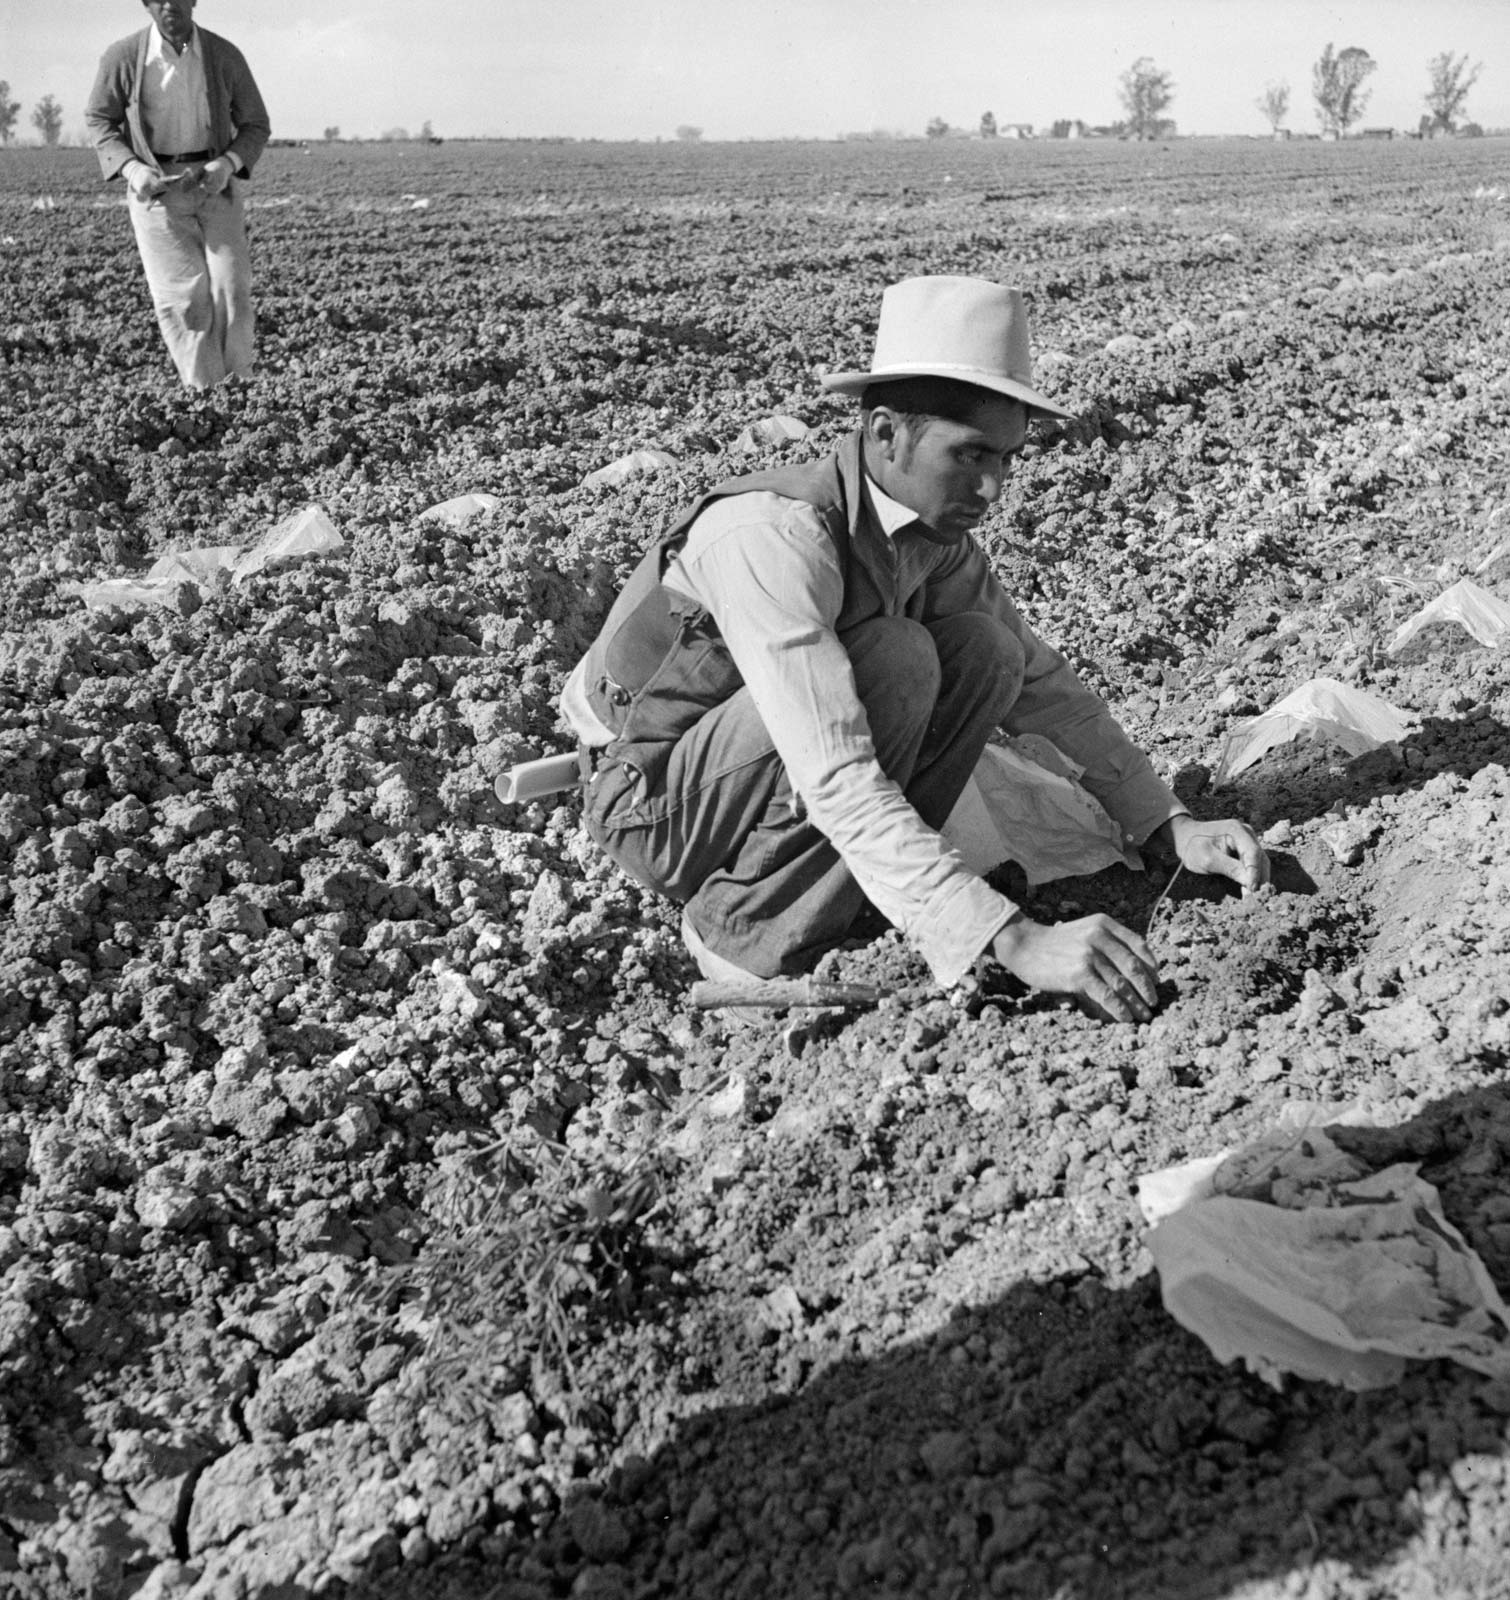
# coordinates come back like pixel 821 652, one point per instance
pixel 199 269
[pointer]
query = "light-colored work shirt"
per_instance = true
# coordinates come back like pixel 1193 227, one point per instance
pixel 175 100
pixel 766 571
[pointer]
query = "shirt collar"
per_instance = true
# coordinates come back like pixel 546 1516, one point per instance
pixel 158 49
pixel 891 514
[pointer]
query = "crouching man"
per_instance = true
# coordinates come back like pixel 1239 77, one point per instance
pixel 789 695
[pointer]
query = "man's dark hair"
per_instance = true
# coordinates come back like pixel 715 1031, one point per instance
pixel 927 397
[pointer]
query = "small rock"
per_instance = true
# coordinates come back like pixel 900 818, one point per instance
pixel 723 1169
pixel 547 914
pixel 460 996
pixel 948 1454
pixel 985 1098
pixel 600 1532
pixel 702 1514
pixel 1348 839
pixel 730 1100
pixel 167 1203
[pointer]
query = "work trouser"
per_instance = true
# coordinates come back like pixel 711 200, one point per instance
pixel 724 834
pixel 199 269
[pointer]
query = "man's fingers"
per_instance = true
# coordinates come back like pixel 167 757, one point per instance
pixel 1106 967
pixel 1114 1002
pixel 1128 995
pixel 1128 958
pixel 1229 850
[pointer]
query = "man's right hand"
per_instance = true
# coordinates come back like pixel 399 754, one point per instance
pixel 143 182
pixel 1105 966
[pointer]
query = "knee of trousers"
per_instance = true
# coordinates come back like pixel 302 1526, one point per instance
pixel 981 655
pixel 897 670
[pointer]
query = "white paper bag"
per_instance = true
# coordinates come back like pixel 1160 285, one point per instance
pixel 1291 1257
pixel 1324 709
pixel 1015 808
pixel 1483 614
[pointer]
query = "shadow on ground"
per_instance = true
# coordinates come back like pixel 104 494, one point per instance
pixel 1306 781
pixel 1067 1440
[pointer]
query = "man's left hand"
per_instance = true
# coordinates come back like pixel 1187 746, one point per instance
pixel 216 174
pixel 1227 849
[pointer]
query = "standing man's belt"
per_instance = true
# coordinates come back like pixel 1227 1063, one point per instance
pixel 183 155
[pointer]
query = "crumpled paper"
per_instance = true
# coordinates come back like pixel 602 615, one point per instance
pixel 175 578
pixel 637 464
pixel 1022 804
pixel 457 512
pixel 1291 1256
pixel 1322 708
pixel 307 533
pixel 1483 614
pixel 204 566
pixel 770 430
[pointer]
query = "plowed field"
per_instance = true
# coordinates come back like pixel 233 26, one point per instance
pixel 376 1214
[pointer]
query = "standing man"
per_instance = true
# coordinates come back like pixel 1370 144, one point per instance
pixel 175 112
pixel 798 679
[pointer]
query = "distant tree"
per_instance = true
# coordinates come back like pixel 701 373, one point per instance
pixel 9 111
pixel 1451 80
pixel 937 128
pixel 1274 102
pixel 47 119
pixel 425 130
pixel 395 135
pixel 1146 91
pixel 689 134
pixel 988 125
pixel 1337 84
pixel 332 133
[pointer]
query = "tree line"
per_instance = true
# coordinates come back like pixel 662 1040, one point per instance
pixel 1337 86
pixel 1338 79
pixel 1145 90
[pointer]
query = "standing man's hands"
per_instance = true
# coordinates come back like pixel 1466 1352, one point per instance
pixel 1226 849
pixel 143 182
pixel 1105 966
pixel 216 174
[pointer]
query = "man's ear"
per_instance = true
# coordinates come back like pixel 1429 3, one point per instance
pixel 882 428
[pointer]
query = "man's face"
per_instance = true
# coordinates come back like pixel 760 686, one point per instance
pixel 950 473
pixel 174 19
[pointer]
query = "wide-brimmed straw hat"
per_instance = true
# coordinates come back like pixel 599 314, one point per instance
pixel 946 327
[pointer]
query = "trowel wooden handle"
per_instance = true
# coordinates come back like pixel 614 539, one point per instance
pixel 775 994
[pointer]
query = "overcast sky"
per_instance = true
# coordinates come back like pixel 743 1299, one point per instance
pixel 636 69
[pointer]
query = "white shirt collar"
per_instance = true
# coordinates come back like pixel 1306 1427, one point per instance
pixel 159 50
pixel 891 514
